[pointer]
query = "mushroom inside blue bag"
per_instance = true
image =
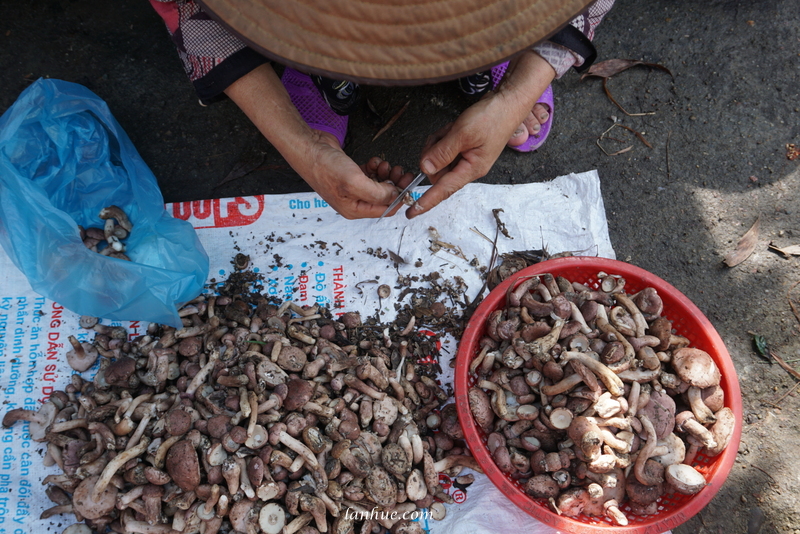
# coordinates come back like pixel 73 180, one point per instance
pixel 63 159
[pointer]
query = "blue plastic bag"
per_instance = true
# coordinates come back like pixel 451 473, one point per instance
pixel 63 158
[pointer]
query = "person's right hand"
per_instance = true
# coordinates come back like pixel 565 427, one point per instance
pixel 316 156
pixel 344 185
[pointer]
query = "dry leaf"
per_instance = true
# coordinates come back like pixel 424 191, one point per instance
pixel 745 247
pixel 610 67
pixel 791 250
pixel 607 69
pixel 395 257
pixel 792 152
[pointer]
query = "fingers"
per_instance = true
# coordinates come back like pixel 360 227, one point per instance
pixel 439 152
pixel 380 170
pixel 442 189
pixel 379 193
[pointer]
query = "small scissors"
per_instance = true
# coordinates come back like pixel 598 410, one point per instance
pixel 414 183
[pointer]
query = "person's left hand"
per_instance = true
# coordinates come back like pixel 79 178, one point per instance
pixel 464 151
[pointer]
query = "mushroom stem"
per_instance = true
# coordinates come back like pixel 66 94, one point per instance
pixel 202 374
pixel 686 422
pixel 361 387
pixel 563 385
pixel 611 508
pixel 139 432
pixel 578 316
pixel 633 309
pixel 448 462
pixel 607 328
pixel 646 452
pixel 114 465
pixel 540 348
pixel 612 382
pixel 320 476
pixel 499 403
pixel 701 412
pixel 633 398
pixel 298 523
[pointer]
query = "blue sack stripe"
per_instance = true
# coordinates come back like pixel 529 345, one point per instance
pixel 63 157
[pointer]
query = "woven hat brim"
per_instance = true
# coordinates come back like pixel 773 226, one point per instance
pixel 391 41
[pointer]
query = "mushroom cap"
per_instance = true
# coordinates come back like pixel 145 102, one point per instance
pixel 77 528
pixel 300 392
pixel 241 514
pixel 85 506
pixel 685 479
pixel 82 360
pixel 39 420
pixel 662 329
pixel 183 465
pixel 381 487
pixel 292 359
pixel 118 373
pixel 661 412
pixel 696 367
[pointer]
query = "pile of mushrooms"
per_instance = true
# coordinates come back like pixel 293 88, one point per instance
pixel 589 400
pixel 253 417
pixel 110 239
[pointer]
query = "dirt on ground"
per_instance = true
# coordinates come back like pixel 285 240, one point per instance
pixel 714 162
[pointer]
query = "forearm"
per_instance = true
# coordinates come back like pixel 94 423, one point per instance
pixel 262 97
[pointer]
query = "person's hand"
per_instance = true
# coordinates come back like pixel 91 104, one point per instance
pixel 465 150
pixel 354 191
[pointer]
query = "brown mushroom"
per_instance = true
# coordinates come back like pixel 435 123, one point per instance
pixel 660 411
pixel 542 487
pixel 722 431
pixel 695 367
pixel 94 507
pixel 183 465
pixel 271 518
pixel 686 422
pixel 481 408
pixel 82 356
pixel 39 420
pixel 685 479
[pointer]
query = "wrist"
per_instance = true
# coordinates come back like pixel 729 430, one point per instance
pixel 526 79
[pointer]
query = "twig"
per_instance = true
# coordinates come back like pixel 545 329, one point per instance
pixel 775 404
pixel 615 125
pixel 392 120
pixel 637 134
pixel 475 230
pixel 469 310
pixel 669 177
pixel 603 136
pixel 770 476
pixel 791 304
pixel 789 369
pixel 608 94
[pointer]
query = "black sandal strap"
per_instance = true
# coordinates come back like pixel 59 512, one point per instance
pixel 571 37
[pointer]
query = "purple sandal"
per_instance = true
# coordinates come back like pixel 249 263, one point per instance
pixel 312 106
pixel 534 141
